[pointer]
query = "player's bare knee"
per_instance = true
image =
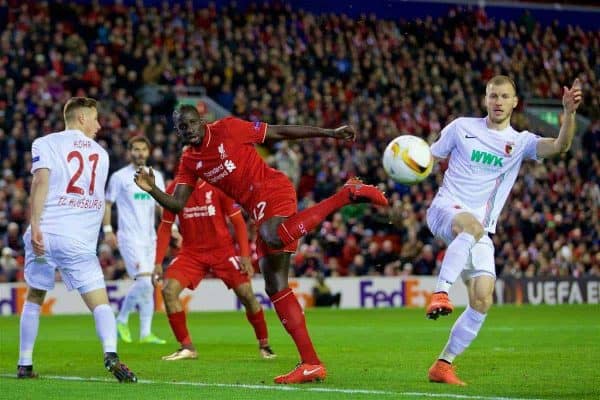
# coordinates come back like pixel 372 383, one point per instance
pixel 475 229
pixel 36 296
pixel 170 292
pixel 270 237
pixel 482 304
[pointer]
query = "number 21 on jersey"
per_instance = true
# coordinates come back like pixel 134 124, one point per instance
pixel 72 186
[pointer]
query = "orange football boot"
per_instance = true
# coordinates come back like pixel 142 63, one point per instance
pixel 442 372
pixel 439 305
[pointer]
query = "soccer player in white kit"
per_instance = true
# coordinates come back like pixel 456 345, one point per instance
pixel 67 204
pixel 485 155
pixel 136 238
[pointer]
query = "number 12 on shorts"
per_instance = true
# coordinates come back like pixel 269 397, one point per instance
pixel 259 211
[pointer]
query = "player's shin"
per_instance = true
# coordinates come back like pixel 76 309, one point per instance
pixel 257 320
pixel 304 221
pixel 455 260
pixel 30 320
pixel 290 313
pixel 178 324
pixel 106 327
pixel 463 333
pixel 146 304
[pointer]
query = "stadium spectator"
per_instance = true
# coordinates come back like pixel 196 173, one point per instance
pixel 322 293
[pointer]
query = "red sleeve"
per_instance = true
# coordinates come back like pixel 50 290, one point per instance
pixel 246 131
pixel 162 241
pixel 241 233
pixel 185 175
pixel 169 216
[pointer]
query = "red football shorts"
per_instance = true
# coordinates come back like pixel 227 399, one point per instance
pixel 189 268
pixel 275 198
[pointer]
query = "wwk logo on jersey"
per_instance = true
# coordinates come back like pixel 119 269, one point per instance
pixel 208 197
pixel 486 158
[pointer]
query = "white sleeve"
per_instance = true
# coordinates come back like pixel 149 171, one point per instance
pixel 112 190
pixel 160 180
pixel 446 142
pixel 530 150
pixel 41 155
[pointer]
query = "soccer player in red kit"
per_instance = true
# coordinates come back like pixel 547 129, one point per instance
pixel 223 154
pixel 207 247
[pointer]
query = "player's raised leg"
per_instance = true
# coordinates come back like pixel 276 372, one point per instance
pixel 467 230
pixel 275 270
pixel 29 323
pixel 256 317
pixel 177 320
pixel 353 191
pixel 465 329
pixel 95 297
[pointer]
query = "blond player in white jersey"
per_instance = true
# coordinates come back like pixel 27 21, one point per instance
pixel 485 155
pixel 67 204
pixel 136 238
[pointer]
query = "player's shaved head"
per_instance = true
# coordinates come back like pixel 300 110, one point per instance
pixel 74 105
pixel 184 108
pixel 501 80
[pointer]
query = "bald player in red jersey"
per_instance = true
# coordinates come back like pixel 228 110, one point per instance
pixel 223 154
pixel 207 247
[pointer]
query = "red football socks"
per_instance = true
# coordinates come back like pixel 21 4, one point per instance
pixel 290 313
pixel 179 328
pixel 304 221
pixel 257 321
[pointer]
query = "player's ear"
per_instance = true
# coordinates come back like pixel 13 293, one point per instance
pixel 515 102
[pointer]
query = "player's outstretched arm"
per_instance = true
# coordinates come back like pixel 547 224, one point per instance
pixel 549 147
pixel 39 191
pixel 292 132
pixel 145 180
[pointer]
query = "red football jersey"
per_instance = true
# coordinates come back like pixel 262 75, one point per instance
pixel 202 221
pixel 227 159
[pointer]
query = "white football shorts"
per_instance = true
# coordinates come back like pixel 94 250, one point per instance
pixel 138 258
pixel 481 258
pixel 79 268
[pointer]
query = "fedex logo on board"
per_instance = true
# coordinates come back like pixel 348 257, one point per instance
pixel 407 294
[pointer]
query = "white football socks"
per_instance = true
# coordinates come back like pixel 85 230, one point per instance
pixel 455 260
pixel 129 303
pixel 106 327
pixel 463 332
pixel 30 321
pixel 146 303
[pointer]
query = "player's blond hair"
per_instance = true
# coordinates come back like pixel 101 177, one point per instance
pixel 74 104
pixel 501 80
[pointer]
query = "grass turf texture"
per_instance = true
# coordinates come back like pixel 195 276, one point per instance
pixel 544 352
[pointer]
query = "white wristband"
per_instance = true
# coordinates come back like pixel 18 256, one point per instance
pixel 107 229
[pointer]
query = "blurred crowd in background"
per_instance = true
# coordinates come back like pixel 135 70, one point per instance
pixel 284 66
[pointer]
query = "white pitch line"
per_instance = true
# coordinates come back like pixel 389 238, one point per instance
pixel 284 388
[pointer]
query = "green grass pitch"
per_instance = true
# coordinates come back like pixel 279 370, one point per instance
pixel 544 352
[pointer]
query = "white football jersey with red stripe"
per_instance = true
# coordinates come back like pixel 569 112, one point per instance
pixel 78 171
pixel 483 166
